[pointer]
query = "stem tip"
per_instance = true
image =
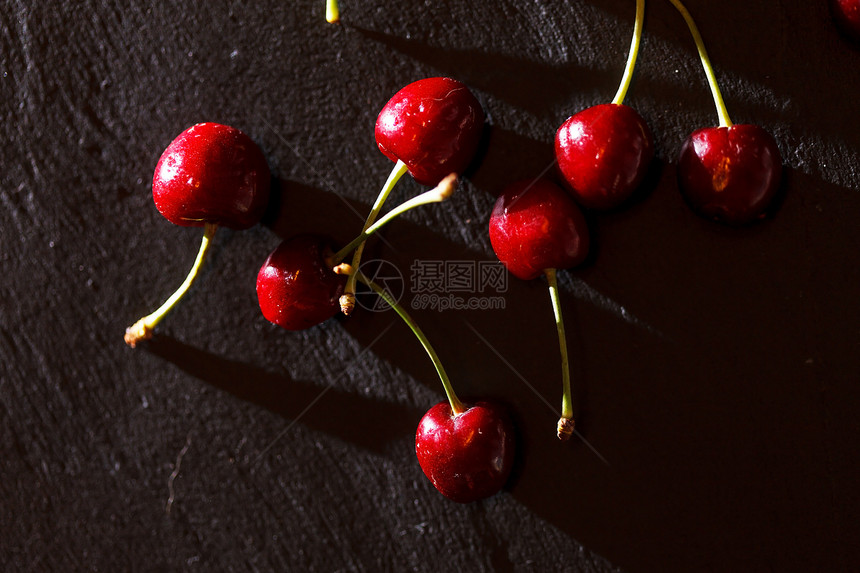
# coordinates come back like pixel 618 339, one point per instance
pixel 347 303
pixel 137 332
pixel 565 428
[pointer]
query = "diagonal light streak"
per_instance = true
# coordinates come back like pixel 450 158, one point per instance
pixel 532 388
pixel 321 394
pixel 532 184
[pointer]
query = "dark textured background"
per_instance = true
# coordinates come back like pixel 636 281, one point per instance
pixel 715 369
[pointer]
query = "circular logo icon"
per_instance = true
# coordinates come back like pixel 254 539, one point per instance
pixel 387 276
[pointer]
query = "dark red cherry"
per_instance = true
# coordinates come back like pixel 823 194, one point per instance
pixel 433 125
pixel 469 456
pixel 603 152
pixel 847 16
pixel 212 173
pixel 296 288
pixel 730 174
pixel 535 226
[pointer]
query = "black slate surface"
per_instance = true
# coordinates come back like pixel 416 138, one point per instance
pixel 715 369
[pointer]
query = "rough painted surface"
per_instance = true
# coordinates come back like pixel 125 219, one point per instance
pixel 714 369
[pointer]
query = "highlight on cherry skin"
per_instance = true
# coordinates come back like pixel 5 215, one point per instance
pixel 210 175
pixel 730 174
pixel 535 229
pixel 604 151
pixel 466 456
pixel 296 286
pixel 466 450
pixel 430 128
pixel 300 283
pixel 536 226
pixel 846 13
pixel 433 126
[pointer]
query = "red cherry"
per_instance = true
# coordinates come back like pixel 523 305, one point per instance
pixel 433 125
pixel 603 153
pixel 847 16
pixel 730 174
pixel 469 456
pixel 536 226
pixel 296 288
pixel 212 173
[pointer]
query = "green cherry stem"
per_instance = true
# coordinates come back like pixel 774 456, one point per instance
pixel 332 12
pixel 634 51
pixel 347 300
pixel 438 194
pixel 142 329
pixel 565 422
pixel 722 112
pixel 457 406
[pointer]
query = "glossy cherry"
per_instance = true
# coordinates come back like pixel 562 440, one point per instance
pixel 212 173
pixel 730 174
pixel 846 13
pixel 536 226
pixel 465 450
pixel 430 128
pixel 603 152
pixel 296 286
pixel 433 126
pixel 466 456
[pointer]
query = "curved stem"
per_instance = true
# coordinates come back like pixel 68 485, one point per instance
pixel 348 297
pixel 332 12
pixel 436 195
pixel 722 112
pixel 631 57
pixel 457 406
pixel 566 399
pixel 142 329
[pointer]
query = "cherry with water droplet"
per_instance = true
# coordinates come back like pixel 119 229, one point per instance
pixel 466 450
pixel 535 229
pixel 469 455
pixel 211 175
pixel 604 151
pixel 300 283
pixel 296 286
pixel 430 128
pixel 536 226
pixel 433 126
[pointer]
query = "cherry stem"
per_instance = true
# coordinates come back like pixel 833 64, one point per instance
pixel 438 194
pixel 634 51
pixel 397 172
pixel 142 329
pixel 566 400
pixel 457 406
pixel 332 12
pixel 722 112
